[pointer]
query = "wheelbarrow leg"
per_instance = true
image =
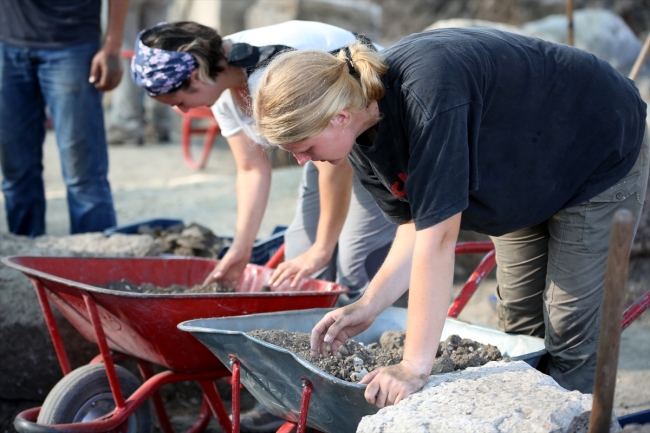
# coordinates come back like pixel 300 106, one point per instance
pixel 290 427
pixel 105 351
pixel 218 410
pixel 610 327
pixel 235 381
pixel 52 327
pixel 304 404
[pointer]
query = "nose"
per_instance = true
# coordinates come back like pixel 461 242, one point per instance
pixel 302 158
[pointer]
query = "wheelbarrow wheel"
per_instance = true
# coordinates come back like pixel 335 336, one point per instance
pixel 85 395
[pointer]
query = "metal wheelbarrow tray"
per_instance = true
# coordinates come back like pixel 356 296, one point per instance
pixel 276 376
pixel 143 326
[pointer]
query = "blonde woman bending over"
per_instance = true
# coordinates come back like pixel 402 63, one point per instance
pixel 533 143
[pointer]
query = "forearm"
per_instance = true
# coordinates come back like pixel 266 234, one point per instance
pixel 429 295
pixel 335 189
pixel 392 279
pixel 116 16
pixel 253 188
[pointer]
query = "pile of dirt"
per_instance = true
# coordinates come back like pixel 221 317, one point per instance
pixel 356 359
pixel 127 286
pixel 193 240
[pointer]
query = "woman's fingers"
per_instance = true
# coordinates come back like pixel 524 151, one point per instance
pixel 388 386
pixel 214 275
pixel 318 333
pixel 370 376
pixel 373 386
pixel 283 271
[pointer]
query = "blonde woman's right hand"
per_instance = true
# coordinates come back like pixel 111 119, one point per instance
pixel 230 267
pixel 339 325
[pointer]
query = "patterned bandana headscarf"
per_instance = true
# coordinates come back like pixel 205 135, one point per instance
pixel 159 71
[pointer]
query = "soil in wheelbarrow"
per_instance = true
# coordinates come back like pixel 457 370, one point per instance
pixel 127 286
pixel 356 359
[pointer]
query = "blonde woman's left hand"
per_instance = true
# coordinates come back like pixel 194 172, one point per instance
pixel 388 386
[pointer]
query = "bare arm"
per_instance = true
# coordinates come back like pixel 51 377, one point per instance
pixel 253 186
pixel 424 262
pixel 389 284
pixel 429 294
pixel 335 188
pixel 106 67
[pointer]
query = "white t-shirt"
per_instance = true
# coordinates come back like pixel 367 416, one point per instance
pixel 301 35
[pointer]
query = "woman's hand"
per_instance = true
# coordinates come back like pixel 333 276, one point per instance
pixel 230 267
pixel 339 325
pixel 310 261
pixel 390 385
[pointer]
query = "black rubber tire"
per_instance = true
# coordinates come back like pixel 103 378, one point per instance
pixel 86 384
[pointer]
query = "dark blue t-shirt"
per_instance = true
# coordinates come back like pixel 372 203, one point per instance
pixel 505 128
pixel 49 23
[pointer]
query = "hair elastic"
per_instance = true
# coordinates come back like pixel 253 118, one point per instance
pixel 348 59
pixel 160 71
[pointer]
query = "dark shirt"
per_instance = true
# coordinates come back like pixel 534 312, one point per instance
pixel 504 128
pixel 49 23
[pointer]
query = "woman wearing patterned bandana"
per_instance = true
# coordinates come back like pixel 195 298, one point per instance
pixel 533 143
pixel 188 65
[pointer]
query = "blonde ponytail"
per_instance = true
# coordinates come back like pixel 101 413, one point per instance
pixel 301 91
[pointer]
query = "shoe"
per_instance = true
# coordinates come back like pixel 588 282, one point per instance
pixel 259 419
pixel 117 135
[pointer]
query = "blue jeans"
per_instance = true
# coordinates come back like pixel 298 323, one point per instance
pixel 30 79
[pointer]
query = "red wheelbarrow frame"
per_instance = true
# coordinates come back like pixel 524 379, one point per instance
pixel 482 270
pixel 313 294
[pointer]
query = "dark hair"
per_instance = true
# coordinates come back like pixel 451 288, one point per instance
pixel 202 42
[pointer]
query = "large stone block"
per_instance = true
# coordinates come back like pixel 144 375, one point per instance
pixel 504 397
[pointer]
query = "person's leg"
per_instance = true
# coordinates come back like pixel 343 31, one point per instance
pixel 576 273
pixel 301 234
pixel 365 232
pixel 79 125
pixel 521 276
pixel 126 117
pixel 22 131
pixel 156 114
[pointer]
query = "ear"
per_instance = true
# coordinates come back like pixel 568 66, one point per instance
pixel 194 76
pixel 341 119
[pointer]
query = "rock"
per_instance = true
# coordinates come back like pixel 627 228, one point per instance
pixel 392 339
pixel 461 22
pixel 360 16
pixel 443 364
pixel 598 31
pixel 500 396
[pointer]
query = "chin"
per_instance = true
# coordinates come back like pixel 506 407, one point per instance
pixel 336 161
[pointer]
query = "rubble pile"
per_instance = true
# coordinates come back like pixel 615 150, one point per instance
pixel 193 240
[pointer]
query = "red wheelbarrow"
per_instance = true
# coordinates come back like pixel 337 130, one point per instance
pixel 108 398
